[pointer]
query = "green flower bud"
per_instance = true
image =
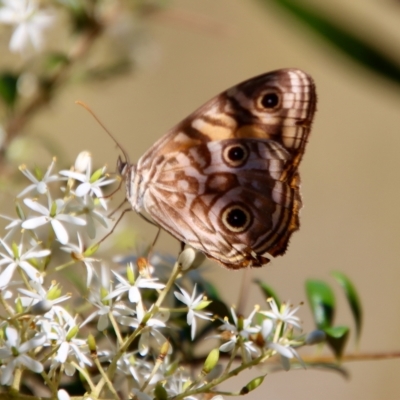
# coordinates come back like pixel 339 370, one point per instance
pixel 211 361
pixel 72 332
pixel 160 393
pixel 91 341
pixel 253 384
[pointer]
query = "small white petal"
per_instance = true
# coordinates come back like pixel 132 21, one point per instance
pixel 7 374
pixel 35 206
pixel 30 363
pixel 31 344
pixel 70 219
pixel 37 254
pixel 6 275
pixel 31 271
pixel 282 350
pixel 83 189
pixel 12 336
pixel 62 352
pixel 27 190
pixel 75 175
pixel 60 231
pixel 102 324
pixel 35 222
pixel 227 346
pixel 134 294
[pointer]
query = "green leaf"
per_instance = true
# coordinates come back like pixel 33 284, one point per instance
pixel 336 338
pixel 268 291
pixel 322 303
pixel 8 88
pixel 333 367
pixel 352 298
pixel 358 49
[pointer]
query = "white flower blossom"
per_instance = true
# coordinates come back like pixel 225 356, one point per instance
pixel 52 215
pixel 88 208
pixel 242 329
pixel 70 348
pixel 285 314
pixel 40 294
pixel 16 257
pixel 150 336
pixel 195 304
pixel 40 184
pixel 13 226
pixel 78 252
pixel 132 285
pixel 14 354
pixel 91 183
pixel 29 24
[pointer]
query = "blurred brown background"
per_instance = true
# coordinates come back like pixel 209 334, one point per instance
pixel 351 218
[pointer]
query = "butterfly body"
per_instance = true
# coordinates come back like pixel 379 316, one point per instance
pixel 225 180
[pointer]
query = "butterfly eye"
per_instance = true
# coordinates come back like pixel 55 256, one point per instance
pixel 236 218
pixel 270 100
pixel 235 155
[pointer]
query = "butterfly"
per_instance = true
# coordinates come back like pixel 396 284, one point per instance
pixel 225 180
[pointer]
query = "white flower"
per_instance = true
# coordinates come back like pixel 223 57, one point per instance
pixel 91 183
pixel 13 354
pixel 17 258
pixel 132 286
pixel 14 224
pixel 240 332
pixel 97 297
pixel 70 347
pixel 194 304
pixel 52 215
pixel 285 314
pixel 40 294
pixel 287 352
pixel 29 22
pixel 87 207
pixel 78 252
pixel 282 347
pixel 39 182
pixel 150 336
pixel 177 384
pixel 242 325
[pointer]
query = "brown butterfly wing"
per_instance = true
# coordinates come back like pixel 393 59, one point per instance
pixel 225 179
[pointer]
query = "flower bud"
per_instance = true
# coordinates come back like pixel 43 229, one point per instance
pixel 211 361
pixel 91 341
pixel 253 384
pixel 160 393
pixel 315 337
pixel 42 307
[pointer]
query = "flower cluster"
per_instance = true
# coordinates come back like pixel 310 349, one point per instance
pixel 127 328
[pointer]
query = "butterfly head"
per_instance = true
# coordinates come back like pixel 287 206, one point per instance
pixel 128 172
pixel 122 166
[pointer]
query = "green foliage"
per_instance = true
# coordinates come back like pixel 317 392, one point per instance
pixel 361 50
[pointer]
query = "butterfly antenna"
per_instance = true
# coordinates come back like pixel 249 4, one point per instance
pixel 87 108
